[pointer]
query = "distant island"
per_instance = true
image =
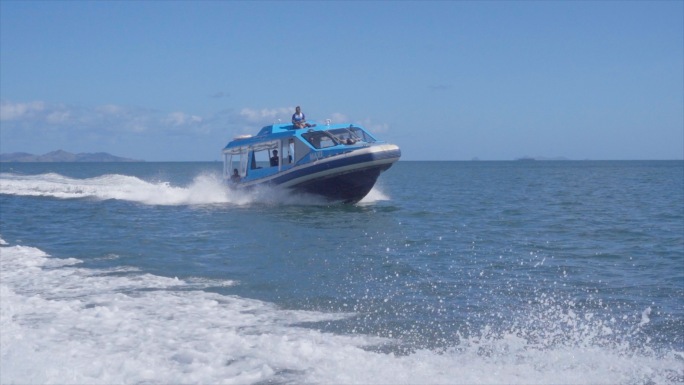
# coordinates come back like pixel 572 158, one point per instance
pixel 64 156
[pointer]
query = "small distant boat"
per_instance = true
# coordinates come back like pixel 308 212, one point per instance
pixel 340 162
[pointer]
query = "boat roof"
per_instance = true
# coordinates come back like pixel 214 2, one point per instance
pixel 277 128
pixel 281 130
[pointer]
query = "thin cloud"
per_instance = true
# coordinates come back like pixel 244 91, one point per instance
pixel 38 116
pixel 182 119
pixel 18 111
pixel 61 125
pixel 117 118
pixel 266 115
pixel 58 117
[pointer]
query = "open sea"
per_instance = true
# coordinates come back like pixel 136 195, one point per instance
pixel 521 272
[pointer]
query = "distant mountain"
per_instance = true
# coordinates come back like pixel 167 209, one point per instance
pixel 64 156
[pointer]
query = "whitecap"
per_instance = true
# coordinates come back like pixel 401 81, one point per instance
pixel 63 323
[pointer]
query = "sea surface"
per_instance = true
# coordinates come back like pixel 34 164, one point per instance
pixel 545 272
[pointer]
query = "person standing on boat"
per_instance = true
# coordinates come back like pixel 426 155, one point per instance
pixel 299 119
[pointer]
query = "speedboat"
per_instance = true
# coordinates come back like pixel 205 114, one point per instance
pixel 340 162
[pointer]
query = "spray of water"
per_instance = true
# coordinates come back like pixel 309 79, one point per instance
pixel 94 327
pixel 205 189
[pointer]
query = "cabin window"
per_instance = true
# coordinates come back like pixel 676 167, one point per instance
pixel 259 159
pixel 344 136
pixel 262 155
pixel 235 161
pixel 354 133
pixel 243 164
pixel 290 151
pixel 301 149
pixel 320 139
pixel 234 164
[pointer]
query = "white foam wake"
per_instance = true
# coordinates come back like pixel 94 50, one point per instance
pixel 204 189
pixel 374 195
pixel 62 323
pixel 65 324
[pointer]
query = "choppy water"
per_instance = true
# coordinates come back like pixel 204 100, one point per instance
pixel 448 272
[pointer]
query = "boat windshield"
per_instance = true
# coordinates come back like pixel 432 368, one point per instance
pixel 320 139
pixel 352 133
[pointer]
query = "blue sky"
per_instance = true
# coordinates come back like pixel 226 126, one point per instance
pixel 494 80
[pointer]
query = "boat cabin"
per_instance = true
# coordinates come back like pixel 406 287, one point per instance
pixel 279 147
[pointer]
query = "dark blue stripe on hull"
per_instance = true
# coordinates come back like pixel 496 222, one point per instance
pixel 338 163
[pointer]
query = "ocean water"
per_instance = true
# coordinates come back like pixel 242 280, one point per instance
pixel 447 273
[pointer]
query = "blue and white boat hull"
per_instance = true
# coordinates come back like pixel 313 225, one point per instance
pixel 348 177
pixel 344 168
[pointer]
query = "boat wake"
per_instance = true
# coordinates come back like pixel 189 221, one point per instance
pixel 63 323
pixel 205 189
